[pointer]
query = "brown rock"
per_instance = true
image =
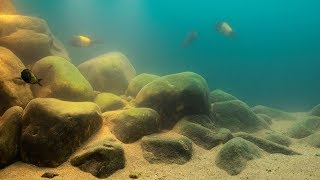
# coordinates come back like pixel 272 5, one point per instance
pixel 13 92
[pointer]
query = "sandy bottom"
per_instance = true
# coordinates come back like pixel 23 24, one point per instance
pixel 202 166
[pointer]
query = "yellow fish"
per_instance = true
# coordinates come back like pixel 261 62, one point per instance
pixel 225 29
pixel 83 41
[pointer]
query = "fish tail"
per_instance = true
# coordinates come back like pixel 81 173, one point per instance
pixel 38 82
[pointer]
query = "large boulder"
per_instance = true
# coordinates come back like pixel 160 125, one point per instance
pixel 304 127
pixel 53 129
pixel 61 80
pixel 138 82
pixel 166 149
pixel 273 113
pixel 10 124
pixel 220 96
pixel 131 124
pixel 13 91
pixel 235 153
pixel 7 7
pixel 237 116
pixel 109 102
pixel 277 138
pixel 101 160
pixel 109 72
pixel 175 96
pixel 29 38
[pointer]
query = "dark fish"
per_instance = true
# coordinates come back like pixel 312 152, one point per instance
pixel 190 38
pixel 28 77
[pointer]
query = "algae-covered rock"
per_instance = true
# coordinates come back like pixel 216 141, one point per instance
pixel 109 102
pixel 61 80
pixel 202 136
pixel 138 82
pixel 315 111
pixel 266 118
pixel 7 7
pixel 266 145
pixel 202 120
pixel 235 153
pixel 236 116
pixel 304 127
pixel 13 91
pixel 175 96
pixel 220 96
pixel 278 138
pixel 314 140
pixel 273 113
pixel 101 160
pixel 53 129
pixel 131 124
pixel 109 72
pixel 166 149
pixel 10 129
pixel 29 38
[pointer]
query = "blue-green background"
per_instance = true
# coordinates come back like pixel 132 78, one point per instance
pixel 274 60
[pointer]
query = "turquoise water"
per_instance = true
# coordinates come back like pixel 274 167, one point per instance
pixel 274 59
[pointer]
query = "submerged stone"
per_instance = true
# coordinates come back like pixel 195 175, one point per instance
pixel 166 149
pixel 109 102
pixel 109 72
pixel 13 91
pixel 131 124
pixel 53 129
pixel 138 82
pixel 235 153
pixel 101 160
pixel 175 96
pixel 273 113
pixel 304 127
pixel 61 80
pixel 10 131
pixel 220 96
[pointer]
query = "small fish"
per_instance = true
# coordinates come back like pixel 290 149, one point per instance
pixel 83 41
pixel 190 38
pixel 225 29
pixel 28 77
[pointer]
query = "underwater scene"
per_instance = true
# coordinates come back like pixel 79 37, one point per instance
pixel 159 90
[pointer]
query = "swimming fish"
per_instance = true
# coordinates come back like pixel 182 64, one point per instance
pixel 83 41
pixel 28 77
pixel 225 29
pixel 190 38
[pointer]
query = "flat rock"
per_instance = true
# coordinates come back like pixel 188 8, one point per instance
pixel 175 96
pixel 61 80
pixel 235 153
pixel 101 160
pixel 138 82
pixel 166 149
pixel 13 91
pixel 109 72
pixel 10 129
pixel 53 129
pixel 237 116
pixel 266 145
pixel 132 124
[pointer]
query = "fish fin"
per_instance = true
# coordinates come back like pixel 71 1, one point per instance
pixel 38 82
pixel 97 42
pixel 233 34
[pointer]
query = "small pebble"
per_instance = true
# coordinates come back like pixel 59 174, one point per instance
pixel 49 175
pixel 134 175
